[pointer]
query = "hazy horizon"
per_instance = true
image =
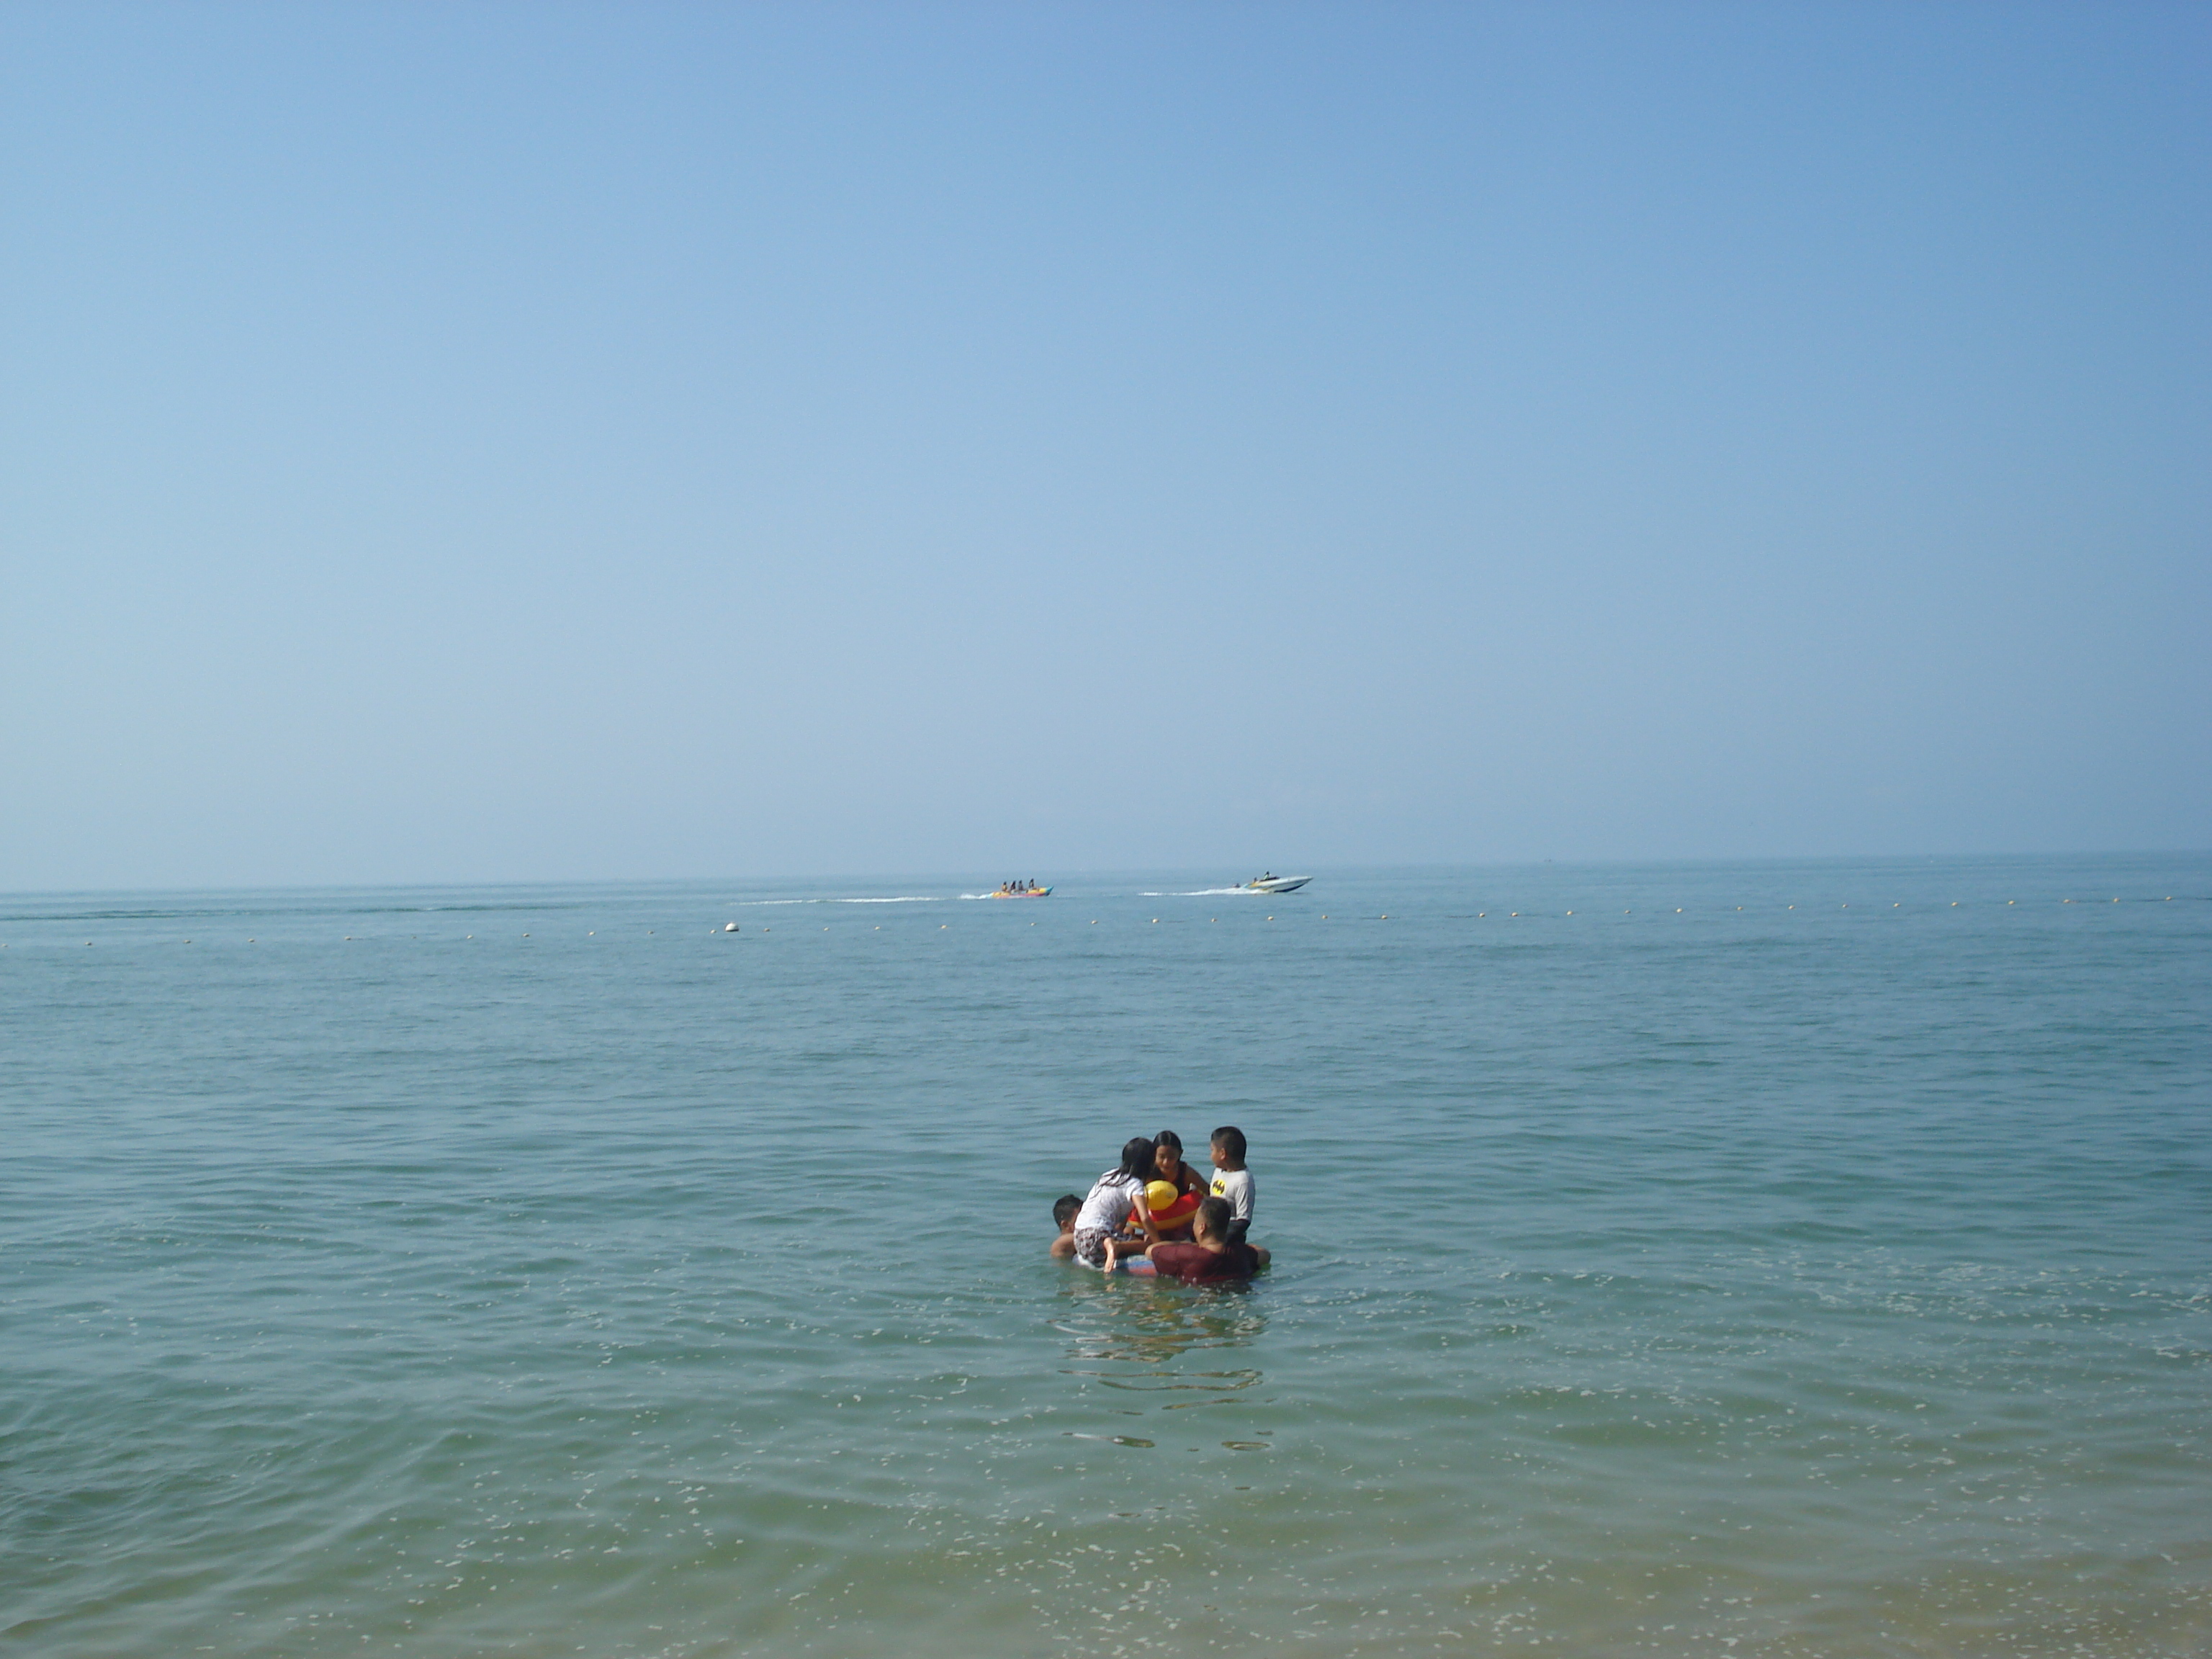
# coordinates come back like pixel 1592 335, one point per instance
pixel 480 445
pixel 1079 877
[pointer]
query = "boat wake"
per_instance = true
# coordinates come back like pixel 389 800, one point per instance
pixel 1206 892
pixel 906 898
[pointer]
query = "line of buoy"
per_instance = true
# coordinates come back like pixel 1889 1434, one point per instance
pixel 732 927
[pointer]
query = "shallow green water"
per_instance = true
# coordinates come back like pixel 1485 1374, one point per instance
pixel 1662 1279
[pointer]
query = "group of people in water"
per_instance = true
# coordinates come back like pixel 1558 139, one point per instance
pixel 1155 1207
pixel 1009 889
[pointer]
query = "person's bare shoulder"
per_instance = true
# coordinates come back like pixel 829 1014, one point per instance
pixel 1064 1246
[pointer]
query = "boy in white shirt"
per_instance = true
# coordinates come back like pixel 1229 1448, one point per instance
pixel 1233 1180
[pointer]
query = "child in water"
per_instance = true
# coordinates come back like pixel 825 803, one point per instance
pixel 1233 1180
pixel 1064 1210
pixel 1211 1256
pixel 1117 1196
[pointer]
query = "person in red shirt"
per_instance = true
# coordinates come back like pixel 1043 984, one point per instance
pixel 1210 1257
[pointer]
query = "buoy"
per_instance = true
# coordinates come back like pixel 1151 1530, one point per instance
pixel 1571 913
pixel 730 928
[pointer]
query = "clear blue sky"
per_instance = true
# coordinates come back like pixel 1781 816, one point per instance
pixel 485 442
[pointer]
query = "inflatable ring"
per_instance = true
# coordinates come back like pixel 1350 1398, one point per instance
pixel 1169 1208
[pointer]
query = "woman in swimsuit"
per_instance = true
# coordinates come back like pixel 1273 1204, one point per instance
pixel 1168 1166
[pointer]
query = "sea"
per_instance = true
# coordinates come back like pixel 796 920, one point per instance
pixel 1782 1258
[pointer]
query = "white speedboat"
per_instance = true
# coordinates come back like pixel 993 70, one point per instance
pixel 1276 883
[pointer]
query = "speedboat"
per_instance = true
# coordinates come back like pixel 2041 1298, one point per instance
pixel 1276 883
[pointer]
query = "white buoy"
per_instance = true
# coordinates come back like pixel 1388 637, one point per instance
pixel 729 926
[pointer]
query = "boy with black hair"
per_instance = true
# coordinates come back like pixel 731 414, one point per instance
pixel 1064 1209
pixel 1233 1180
pixel 1211 1255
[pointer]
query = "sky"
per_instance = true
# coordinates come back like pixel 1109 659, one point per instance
pixel 482 442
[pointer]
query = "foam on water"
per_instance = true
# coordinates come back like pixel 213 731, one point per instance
pixel 1661 1278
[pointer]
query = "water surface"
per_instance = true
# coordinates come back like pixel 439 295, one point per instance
pixel 1794 1260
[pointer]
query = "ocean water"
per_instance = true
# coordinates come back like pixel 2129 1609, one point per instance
pixel 1780 1260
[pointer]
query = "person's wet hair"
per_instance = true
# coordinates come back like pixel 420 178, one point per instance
pixel 1137 1158
pixel 1064 1207
pixel 1214 1213
pixel 1230 1139
pixel 1169 1138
